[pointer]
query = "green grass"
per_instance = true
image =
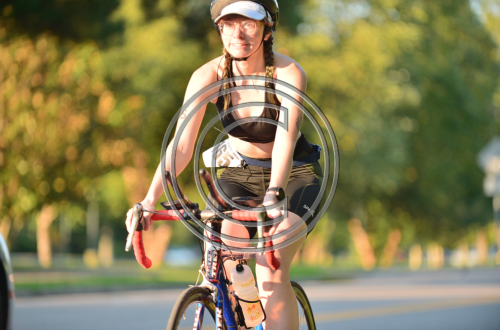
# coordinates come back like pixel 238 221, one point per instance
pixel 69 274
pixel 123 275
pixel 38 282
pixel 310 272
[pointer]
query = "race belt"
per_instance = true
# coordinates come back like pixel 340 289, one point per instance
pixel 226 156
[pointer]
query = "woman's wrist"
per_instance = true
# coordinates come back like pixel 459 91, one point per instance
pixel 149 200
pixel 276 191
pixel 270 199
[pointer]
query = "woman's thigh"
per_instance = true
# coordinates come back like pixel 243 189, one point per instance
pixel 235 189
pixel 303 191
pixel 266 276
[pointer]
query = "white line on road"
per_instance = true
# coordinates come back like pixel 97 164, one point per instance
pixel 403 309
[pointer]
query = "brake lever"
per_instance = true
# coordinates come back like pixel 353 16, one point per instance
pixel 135 225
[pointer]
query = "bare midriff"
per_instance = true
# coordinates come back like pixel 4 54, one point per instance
pixel 254 150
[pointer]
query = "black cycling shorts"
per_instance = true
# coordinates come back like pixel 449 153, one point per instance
pixel 302 188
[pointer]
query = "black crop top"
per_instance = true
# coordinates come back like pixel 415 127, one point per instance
pixel 255 132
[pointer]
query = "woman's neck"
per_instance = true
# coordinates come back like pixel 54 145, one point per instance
pixel 254 65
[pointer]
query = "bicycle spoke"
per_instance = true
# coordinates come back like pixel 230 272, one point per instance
pixel 193 310
pixel 306 320
pixel 302 319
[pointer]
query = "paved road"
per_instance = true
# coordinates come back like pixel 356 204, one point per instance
pixel 449 299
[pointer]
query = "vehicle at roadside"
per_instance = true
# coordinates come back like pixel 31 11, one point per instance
pixel 6 287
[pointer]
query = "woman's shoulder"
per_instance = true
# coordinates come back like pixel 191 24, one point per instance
pixel 210 70
pixel 206 75
pixel 287 66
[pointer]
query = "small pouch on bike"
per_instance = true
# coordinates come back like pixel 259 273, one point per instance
pixel 239 311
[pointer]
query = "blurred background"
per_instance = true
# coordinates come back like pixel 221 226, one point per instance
pixel 88 88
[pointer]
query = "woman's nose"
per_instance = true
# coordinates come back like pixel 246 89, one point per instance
pixel 237 32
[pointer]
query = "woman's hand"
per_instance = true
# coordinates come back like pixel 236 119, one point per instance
pixel 271 199
pixel 147 216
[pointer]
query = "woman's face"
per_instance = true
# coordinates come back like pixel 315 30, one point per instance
pixel 242 43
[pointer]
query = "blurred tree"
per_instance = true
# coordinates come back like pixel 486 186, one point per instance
pixel 407 86
pixel 60 128
pixel 455 71
pixel 76 20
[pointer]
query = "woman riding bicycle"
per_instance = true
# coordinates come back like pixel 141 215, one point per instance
pixel 246 30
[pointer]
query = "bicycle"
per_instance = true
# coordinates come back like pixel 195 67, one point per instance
pixel 212 294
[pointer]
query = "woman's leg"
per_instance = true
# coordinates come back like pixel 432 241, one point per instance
pixel 275 290
pixel 234 230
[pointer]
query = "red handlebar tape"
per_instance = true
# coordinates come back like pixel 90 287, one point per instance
pixel 244 215
pixel 166 215
pixel 140 253
pixel 144 261
pixel 271 259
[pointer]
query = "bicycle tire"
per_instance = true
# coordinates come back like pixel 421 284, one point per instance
pixel 306 317
pixel 185 301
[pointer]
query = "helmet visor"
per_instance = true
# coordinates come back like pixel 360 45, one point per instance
pixel 248 9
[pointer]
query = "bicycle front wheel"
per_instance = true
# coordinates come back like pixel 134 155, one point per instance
pixel 190 311
pixel 306 317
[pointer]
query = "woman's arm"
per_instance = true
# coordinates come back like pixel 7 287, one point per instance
pixel 201 78
pixel 284 143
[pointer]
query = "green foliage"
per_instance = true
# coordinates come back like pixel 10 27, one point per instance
pixel 75 20
pixel 59 122
pixel 408 86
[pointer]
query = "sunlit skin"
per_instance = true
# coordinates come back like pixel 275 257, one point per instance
pixel 275 291
pixel 241 44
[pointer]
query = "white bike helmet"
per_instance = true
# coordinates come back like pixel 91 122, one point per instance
pixel 254 9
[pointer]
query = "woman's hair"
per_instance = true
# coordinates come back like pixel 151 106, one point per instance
pixel 268 60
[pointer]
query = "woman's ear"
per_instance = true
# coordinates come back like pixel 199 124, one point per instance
pixel 268 35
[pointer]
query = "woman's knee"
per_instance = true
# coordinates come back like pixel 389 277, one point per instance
pixel 236 231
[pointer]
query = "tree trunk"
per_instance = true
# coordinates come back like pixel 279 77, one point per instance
pixel 156 241
pixel 415 258
pixel 390 248
pixel 105 247
pixel 316 253
pixel 44 249
pixel 435 256
pixel 362 244
pixel 482 247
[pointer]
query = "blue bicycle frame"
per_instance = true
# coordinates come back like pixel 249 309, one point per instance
pixel 216 279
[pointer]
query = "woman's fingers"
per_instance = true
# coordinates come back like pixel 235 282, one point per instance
pixel 146 223
pixel 272 230
pixel 273 212
pixel 269 201
pixel 128 220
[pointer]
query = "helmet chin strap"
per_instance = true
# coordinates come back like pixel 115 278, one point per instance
pixel 241 59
